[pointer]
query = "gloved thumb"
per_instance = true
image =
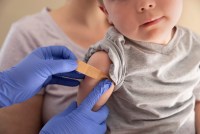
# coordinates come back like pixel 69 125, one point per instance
pixel 70 108
pixel 93 97
pixel 61 66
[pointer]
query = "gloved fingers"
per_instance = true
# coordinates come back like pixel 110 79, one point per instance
pixel 104 128
pixel 73 74
pixel 94 96
pixel 101 129
pixel 70 108
pixel 99 116
pixel 64 81
pixel 58 52
pixel 60 66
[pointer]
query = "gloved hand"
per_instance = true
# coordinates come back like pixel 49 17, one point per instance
pixel 47 65
pixel 81 119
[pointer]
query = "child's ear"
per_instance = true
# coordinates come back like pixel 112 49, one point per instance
pixel 106 13
pixel 103 9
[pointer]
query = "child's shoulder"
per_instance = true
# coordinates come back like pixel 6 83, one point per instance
pixel 112 40
pixel 187 35
pixel 187 32
pixel 114 35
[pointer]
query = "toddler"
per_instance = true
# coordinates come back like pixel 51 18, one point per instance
pixel 154 65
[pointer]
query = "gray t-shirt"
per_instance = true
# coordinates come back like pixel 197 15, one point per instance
pixel 34 31
pixel 156 85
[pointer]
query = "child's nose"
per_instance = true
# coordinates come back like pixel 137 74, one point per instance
pixel 144 5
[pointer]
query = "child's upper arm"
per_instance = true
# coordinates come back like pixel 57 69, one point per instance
pixel 101 61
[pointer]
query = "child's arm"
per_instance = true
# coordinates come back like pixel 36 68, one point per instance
pixel 101 61
pixel 197 117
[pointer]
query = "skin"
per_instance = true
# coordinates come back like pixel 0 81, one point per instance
pixel 22 118
pixel 131 18
pixel 197 117
pixel 79 19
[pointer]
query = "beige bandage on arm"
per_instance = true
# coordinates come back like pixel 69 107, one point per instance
pixel 90 71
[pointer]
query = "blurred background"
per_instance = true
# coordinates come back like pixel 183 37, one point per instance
pixel 12 10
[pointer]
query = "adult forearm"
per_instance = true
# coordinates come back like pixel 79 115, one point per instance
pixel 197 117
pixel 22 118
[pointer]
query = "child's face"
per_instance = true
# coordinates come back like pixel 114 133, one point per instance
pixel 144 20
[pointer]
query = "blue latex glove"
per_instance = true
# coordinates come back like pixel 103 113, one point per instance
pixel 43 66
pixel 81 120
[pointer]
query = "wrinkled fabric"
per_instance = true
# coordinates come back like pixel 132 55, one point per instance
pixel 116 54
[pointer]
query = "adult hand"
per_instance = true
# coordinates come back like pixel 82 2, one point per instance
pixel 47 65
pixel 81 119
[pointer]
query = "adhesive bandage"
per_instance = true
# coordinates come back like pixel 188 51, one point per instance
pixel 90 71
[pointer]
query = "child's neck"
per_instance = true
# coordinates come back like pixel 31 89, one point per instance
pixel 169 36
